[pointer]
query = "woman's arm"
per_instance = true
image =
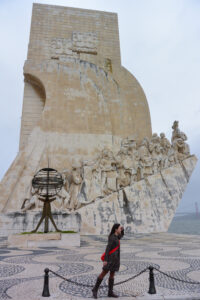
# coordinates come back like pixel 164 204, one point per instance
pixel 121 235
pixel 108 248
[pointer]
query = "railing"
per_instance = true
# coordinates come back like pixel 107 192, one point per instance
pixel 152 289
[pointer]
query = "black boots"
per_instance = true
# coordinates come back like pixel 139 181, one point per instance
pixel 96 287
pixel 110 288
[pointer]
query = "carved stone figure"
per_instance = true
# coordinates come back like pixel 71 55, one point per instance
pixel 107 164
pixel 176 133
pixel 124 178
pixel 178 141
pixel 62 198
pixel 31 203
pixel 75 188
pixel 165 143
pixel 107 160
pixel 133 152
pixel 155 139
pixel 157 158
pixel 172 157
pixel 127 162
pixel 168 154
pixel 121 155
pixel 129 144
pixel 91 184
pixel 146 162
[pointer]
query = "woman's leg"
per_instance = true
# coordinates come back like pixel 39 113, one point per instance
pixel 98 282
pixel 110 285
pixel 112 274
pixel 103 274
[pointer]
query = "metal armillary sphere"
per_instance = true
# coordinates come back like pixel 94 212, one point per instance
pixel 47 183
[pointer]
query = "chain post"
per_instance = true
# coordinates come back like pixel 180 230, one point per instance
pixel 152 289
pixel 45 292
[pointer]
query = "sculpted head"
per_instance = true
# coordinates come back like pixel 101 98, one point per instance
pixel 162 135
pixel 107 153
pixel 175 125
pixel 155 138
pixel 145 142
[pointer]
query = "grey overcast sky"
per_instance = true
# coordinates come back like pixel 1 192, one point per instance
pixel 160 45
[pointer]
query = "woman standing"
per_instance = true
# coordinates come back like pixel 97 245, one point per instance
pixel 111 260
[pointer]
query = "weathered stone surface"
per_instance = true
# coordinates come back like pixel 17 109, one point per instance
pixel 99 216
pixel 146 206
pixel 188 167
pixel 175 181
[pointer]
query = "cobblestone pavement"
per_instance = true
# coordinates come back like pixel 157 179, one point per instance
pixel 21 271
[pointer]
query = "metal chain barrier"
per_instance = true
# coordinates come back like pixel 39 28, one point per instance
pixel 102 286
pixel 178 279
pixel 133 277
pixel 152 289
pixel 69 280
pixel 46 293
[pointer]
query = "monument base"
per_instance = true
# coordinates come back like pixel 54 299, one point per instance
pixel 35 240
pixel 18 222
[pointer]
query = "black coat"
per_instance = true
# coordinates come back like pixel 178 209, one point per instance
pixel 113 260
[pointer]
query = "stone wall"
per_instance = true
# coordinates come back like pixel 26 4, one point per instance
pixel 62 40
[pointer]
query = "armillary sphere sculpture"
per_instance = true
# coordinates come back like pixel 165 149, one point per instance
pixel 47 183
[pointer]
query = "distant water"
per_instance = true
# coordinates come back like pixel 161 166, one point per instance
pixel 185 223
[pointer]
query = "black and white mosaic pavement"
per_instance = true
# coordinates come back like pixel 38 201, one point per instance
pixel 9 270
pixel 21 271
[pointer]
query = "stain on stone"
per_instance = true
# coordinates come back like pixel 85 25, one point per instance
pixel 95 222
pixel 170 193
pixel 83 193
pixel 126 208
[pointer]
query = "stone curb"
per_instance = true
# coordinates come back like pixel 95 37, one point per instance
pixel 145 297
pixel 159 297
pixel 168 297
pixel 153 297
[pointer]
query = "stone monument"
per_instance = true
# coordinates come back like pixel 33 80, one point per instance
pixel 88 115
